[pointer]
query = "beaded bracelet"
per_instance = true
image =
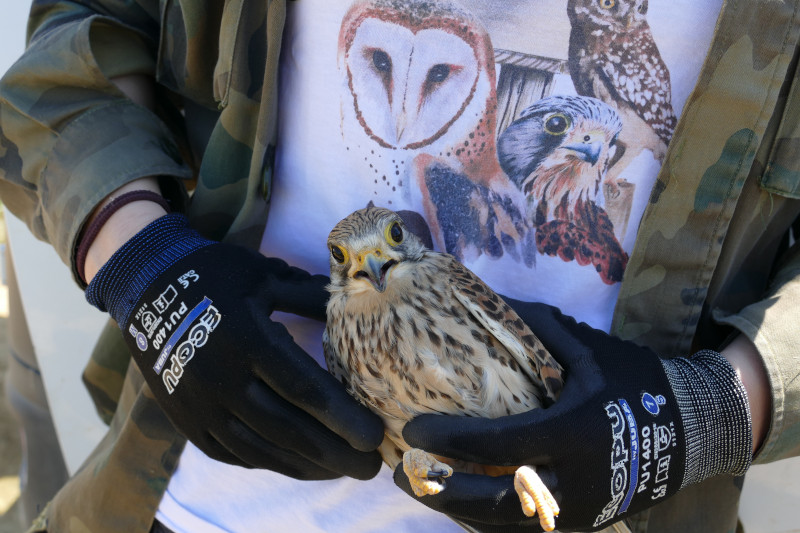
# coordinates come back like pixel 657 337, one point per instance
pixel 102 217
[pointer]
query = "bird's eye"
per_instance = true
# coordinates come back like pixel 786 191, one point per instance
pixel 394 233
pixel 607 4
pixel 438 73
pixel 338 254
pixel 557 124
pixel 382 61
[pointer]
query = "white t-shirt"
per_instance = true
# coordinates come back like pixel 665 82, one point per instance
pixel 514 150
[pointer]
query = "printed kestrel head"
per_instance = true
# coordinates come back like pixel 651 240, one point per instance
pixel 370 246
pixel 560 147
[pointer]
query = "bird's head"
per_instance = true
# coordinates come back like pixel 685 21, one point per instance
pixel 368 247
pixel 576 134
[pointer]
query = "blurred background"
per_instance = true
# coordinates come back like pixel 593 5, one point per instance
pixel 12 42
pixel 46 332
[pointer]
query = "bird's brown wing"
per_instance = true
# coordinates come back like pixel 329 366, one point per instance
pixel 507 327
pixel 337 369
pixel 333 360
pixel 393 445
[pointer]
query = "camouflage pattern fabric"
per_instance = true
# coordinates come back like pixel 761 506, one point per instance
pixel 711 255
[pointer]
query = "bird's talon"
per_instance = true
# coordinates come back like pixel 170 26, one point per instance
pixel 535 497
pixel 425 474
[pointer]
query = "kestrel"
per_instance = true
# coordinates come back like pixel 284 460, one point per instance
pixel 557 152
pixel 411 331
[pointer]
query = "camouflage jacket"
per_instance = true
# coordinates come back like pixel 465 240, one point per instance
pixel 712 253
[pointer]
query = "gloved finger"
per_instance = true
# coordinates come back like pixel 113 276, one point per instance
pixel 471 525
pixel 509 440
pixel 293 290
pixel 498 441
pixel 214 449
pixel 283 271
pixel 298 379
pixel 252 451
pixel 481 500
pixel 307 298
pixel 568 340
pixel 270 417
pixel 558 332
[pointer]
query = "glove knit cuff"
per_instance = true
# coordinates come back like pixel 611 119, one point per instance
pixel 716 415
pixel 120 283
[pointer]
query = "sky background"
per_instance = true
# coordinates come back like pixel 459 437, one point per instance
pixel 12 31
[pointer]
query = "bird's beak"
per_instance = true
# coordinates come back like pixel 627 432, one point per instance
pixel 374 266
pixel 589 152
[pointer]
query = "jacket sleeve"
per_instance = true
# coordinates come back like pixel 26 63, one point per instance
pixel 68 136
pixel 773 324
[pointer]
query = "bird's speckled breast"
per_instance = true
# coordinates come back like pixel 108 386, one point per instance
pixel 416 349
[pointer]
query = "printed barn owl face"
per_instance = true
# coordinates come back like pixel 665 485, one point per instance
pixel 418 80
pixel 409 86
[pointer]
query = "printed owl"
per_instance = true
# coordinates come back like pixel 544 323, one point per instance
pixel 419 105
pixel 614 57
pixel 418 77
pixel 411 331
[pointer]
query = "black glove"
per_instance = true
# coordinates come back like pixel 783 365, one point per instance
pixel 195 314
pixel 628 431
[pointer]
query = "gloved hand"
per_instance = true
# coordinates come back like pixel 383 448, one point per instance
pixel 195 315
pixel 628 430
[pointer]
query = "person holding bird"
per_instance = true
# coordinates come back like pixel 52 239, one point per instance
pixel 391 265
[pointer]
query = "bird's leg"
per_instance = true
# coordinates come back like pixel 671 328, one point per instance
pixel 425 473
pixel 535 497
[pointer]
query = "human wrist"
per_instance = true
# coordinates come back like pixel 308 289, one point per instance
pixel 118 221
pixel 743 355
pixel 125 220
pixel 715 413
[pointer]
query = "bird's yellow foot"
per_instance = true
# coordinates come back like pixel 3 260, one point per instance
pixel 535 497
pixel 424 472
